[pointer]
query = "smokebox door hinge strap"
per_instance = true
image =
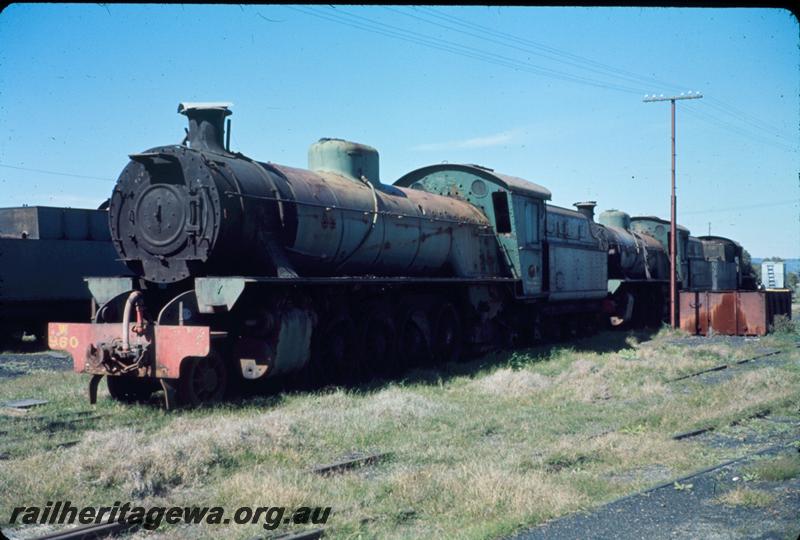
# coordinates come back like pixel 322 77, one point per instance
pixel 195 211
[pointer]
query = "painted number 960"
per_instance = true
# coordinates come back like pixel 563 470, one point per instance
pixel 63 342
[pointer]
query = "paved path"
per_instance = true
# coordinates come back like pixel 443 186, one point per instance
pixel 667 512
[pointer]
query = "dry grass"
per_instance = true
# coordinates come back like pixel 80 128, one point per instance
pixel 742 496
pixel 487 448
pixel 511 383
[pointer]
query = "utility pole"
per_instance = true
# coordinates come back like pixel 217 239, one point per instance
pixel 673 250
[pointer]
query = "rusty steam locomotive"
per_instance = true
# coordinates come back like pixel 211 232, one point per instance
pixel 246 270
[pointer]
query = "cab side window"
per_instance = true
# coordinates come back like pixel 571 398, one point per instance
pixel 502 217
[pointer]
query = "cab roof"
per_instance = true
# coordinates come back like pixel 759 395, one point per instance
pixel 658 220
pixel 511 183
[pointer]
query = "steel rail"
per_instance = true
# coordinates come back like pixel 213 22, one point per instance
pixel 94 530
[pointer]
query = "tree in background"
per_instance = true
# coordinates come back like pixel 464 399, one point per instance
pixel 751 274
pixel 792 279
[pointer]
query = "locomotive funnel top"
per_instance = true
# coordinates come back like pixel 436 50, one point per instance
pixel 586 208
pixel 206 124
pixel 186 106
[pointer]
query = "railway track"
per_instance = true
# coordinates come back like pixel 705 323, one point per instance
pixel 89 532
pixel 720 367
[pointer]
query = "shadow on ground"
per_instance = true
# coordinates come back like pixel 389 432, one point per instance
pixel 272 392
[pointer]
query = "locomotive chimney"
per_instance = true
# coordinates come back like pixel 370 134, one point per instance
pixel 206 125
pixel 586 208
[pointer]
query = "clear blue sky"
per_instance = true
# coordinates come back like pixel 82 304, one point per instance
pixel 553 95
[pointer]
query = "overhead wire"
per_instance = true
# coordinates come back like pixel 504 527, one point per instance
pixel 648 80
pixel 371 25
pixel 756 137
pixel 744 117
pixel 57 173
pixel 556 55
pixel 549 52
pixel 522 49
pixel 742 207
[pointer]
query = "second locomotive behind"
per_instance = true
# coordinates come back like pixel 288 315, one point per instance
pixel 638 266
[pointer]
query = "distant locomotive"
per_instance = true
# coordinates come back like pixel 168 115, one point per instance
pixel 639 266
pixel 245 270
pixel 45 252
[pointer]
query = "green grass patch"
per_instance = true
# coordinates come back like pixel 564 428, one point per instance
pixel 777 469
